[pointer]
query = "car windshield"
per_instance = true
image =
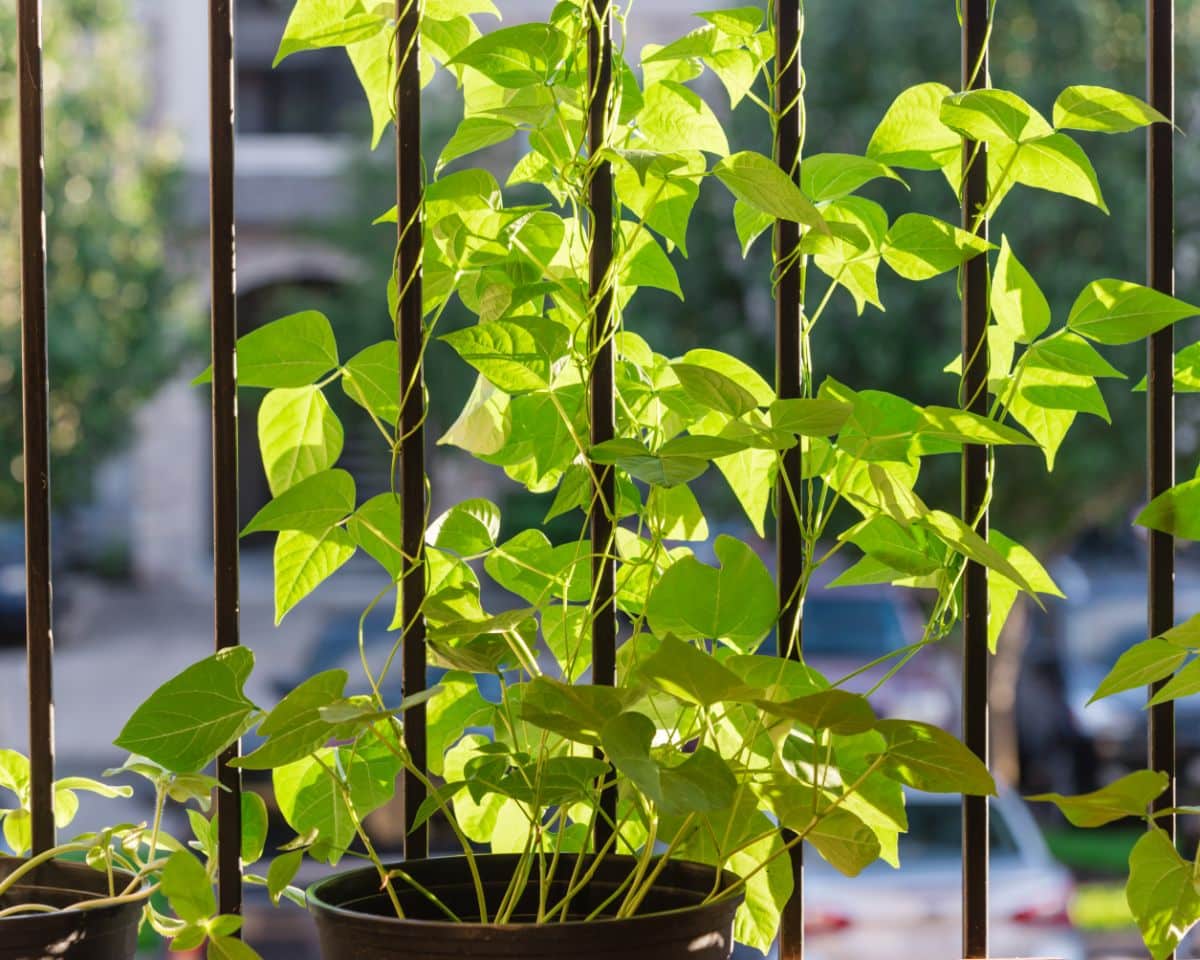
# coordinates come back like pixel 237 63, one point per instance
pixel 859 627
pixel 935 831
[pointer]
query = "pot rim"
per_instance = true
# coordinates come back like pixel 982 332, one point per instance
pixel 74 868
pixel 317 905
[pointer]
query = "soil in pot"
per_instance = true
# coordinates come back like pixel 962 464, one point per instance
pixel 356 920
pixel 106 933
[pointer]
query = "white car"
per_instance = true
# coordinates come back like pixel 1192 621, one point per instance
pixel 916 910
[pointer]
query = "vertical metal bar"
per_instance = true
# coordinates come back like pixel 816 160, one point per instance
pixel 601 389
pixel 789 310
pixel 1160 402
pixel 35 377
pixel 410 334
pixel 223 254
pixel 974 494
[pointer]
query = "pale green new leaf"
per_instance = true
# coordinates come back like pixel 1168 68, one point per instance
pixel 468 528
pixel 292 351
pixel 188 888
pixel 1055 163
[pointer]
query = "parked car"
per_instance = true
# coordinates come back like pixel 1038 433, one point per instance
pixel 1065 743
pixel 12 586
pixel 916 910
pixel 846 629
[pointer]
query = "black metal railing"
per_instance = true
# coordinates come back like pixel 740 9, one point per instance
pixel 410 334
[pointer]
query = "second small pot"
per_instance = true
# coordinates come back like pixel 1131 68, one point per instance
pixel 106 933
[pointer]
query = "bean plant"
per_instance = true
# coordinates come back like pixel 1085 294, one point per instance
pixel 719 754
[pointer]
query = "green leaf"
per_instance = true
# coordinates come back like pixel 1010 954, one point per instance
pixel 310 800
pixel 734 369
pixel 187 887
pixel 735 603
pixel 192 717
pixel 516 57
pixel 282 872
pixel 759 181
pixel 230 948
pixel 303 561
pixel 1142 664
pixel 254 827
pixel 967 542
pixel 735 22
pixel 298 436
pixel 1176 512
pixel 1017 302
pixel 516 355
pixel 1161 893
pixel 702 784
pixel 626 740
pixel 375 526
pixel 1070 353
pixel 294 729
pixel 927 758
pixel 810 416
pixel 577 712
pixel 675 514
pixel 468 528
pixel 457 706
pixel 831 176
pixel 1187 371
pixel 568 634
pixel 919 247
pixel 714 389
pixel 1055 163
pixel 473 134
pixel 293 351
pixel 962 426
pixel 1116 311
pixel 636 459
pixel 845 841
pixel 371 378
pixel 675 118
pixel 533 569
pixel 834 710
pixel 314 505
pixel 911 133
pixel 1184 684
pixel 1002 592
pixel 643 263
pixel 750 223
pixel 1102 110
pixel 993 115
pixel 1128 797
pixel 314 24
pixel 690 674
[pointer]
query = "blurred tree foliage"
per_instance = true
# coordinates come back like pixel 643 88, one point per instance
pixel 116 328
pixel 859 55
